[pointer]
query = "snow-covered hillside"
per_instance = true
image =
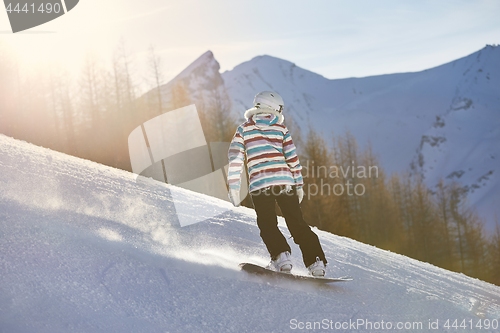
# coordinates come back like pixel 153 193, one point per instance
pixel 442 123
pixel 88 248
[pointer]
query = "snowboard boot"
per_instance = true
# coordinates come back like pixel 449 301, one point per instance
pixel 317 269
pixel 281 263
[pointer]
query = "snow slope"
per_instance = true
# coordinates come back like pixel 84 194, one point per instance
pixel 88 248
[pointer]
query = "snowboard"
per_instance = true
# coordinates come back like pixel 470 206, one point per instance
pixel 259 270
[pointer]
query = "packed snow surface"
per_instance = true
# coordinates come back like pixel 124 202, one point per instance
pixel 88 248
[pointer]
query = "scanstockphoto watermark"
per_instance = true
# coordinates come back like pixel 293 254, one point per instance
pixel 337 179
pixel 360 324
pixel 172 148
pixel 355 325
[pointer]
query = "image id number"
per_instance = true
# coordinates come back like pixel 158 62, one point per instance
pixel 470 324
pixel 47 8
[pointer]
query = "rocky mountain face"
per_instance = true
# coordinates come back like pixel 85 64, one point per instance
pixel 200 83
pixel 463 144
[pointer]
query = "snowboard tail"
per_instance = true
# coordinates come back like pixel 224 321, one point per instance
pixel 259 270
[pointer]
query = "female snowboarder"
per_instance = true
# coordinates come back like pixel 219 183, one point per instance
pixel 275 175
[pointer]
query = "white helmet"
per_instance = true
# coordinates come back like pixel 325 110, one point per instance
pixel 269 99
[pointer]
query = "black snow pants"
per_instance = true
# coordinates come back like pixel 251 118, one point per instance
pixel 264 203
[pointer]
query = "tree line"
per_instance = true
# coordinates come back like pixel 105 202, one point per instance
pixel 90 116
pixel 396 212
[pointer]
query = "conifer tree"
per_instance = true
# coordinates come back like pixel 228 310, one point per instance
pixel 493 257
pixel 318 185
pixel 216 118
pixel 156 69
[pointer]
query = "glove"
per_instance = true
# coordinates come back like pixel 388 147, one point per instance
pixel 300 194
pixel 234 197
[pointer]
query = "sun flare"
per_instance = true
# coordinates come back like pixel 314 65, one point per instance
pixel 66 41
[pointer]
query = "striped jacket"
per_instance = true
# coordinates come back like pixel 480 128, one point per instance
pixel 269 151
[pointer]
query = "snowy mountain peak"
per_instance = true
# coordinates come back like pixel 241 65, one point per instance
pixel 267 60
pixel 198 83
pixel 275 74
pixel 204 62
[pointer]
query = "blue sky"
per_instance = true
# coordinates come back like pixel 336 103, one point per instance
pixel 336 39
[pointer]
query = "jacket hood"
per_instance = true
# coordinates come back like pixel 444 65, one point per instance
pixel 264 116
